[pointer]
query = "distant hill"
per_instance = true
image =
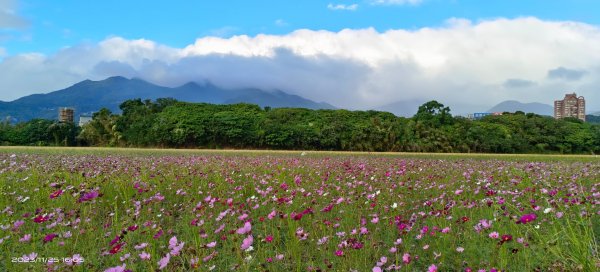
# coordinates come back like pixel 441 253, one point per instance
pixel 513 106
pixel 90 96
pixel 406 108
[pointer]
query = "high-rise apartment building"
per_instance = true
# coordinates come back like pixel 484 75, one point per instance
pixel 570 106
pixel 65 115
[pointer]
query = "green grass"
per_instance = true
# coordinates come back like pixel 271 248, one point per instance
pixel 412 189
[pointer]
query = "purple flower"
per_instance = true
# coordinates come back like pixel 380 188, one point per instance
pixel 50 237
pixel 245 229
pixel 164 261
pixel 527 218
pixel 247 242
pixel 26 238
pixel 116 269
pixel 89 196
pixel 144 256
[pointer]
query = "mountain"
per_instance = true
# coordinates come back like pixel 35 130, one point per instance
pixel 513 106
pixel 407 108
pixel 90 96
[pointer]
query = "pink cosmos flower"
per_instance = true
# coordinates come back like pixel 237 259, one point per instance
pixel 18 224
pixel 56 194
pixel 247 242
pixel 174 246
pixel 144 256
pixel 88 196
pixel 50 237
pixel 406 258
pixel 245 229
pixel 116 269
pixel 527 218
pixel 211 244
pixel 164 261
pixel 432 268
pixel 141 246
pixel 26 238
pixel 494 235
pixel 339 253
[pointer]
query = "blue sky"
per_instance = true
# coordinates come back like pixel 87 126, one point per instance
pixel 353 54
pixel 56 24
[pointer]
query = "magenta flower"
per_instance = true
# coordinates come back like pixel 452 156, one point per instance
pixel 339 253
pixel 56 194
pixel 432 268
pixel 494 235
pixel 41 218
pixel 527 218
pixel 89 196
pixel 50 237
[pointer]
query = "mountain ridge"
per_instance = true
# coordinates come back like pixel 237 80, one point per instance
pixel 513 106
pixel 89 96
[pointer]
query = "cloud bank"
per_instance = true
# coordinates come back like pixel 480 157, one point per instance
pixel 469 66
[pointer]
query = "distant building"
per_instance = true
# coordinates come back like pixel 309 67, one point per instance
pixel 84 119
pixel 65 115
pixel 570 106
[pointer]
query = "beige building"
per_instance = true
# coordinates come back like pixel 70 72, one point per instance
pixel 570 106
pixel 65 115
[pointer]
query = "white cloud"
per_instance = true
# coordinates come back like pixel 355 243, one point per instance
pixel 396 2
pixel 469 66
pixel 351 7
pixel 281 23
pixel 9 19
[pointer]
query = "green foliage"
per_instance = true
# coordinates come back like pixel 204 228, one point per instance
pixel 170 123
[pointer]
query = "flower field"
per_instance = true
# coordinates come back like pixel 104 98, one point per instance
pixel 287 212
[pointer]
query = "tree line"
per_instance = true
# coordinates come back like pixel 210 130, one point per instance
pixel 168 123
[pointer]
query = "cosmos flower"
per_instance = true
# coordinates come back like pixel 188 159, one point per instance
pixel 116 269
pixel 48 238
pixel 89 196
pixel 245 229
pixel 527 218
pixel 56 194
pixel 144 256
pixel 247 242
pixel 164 261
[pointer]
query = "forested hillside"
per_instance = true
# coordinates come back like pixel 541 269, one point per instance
pixel 170 123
